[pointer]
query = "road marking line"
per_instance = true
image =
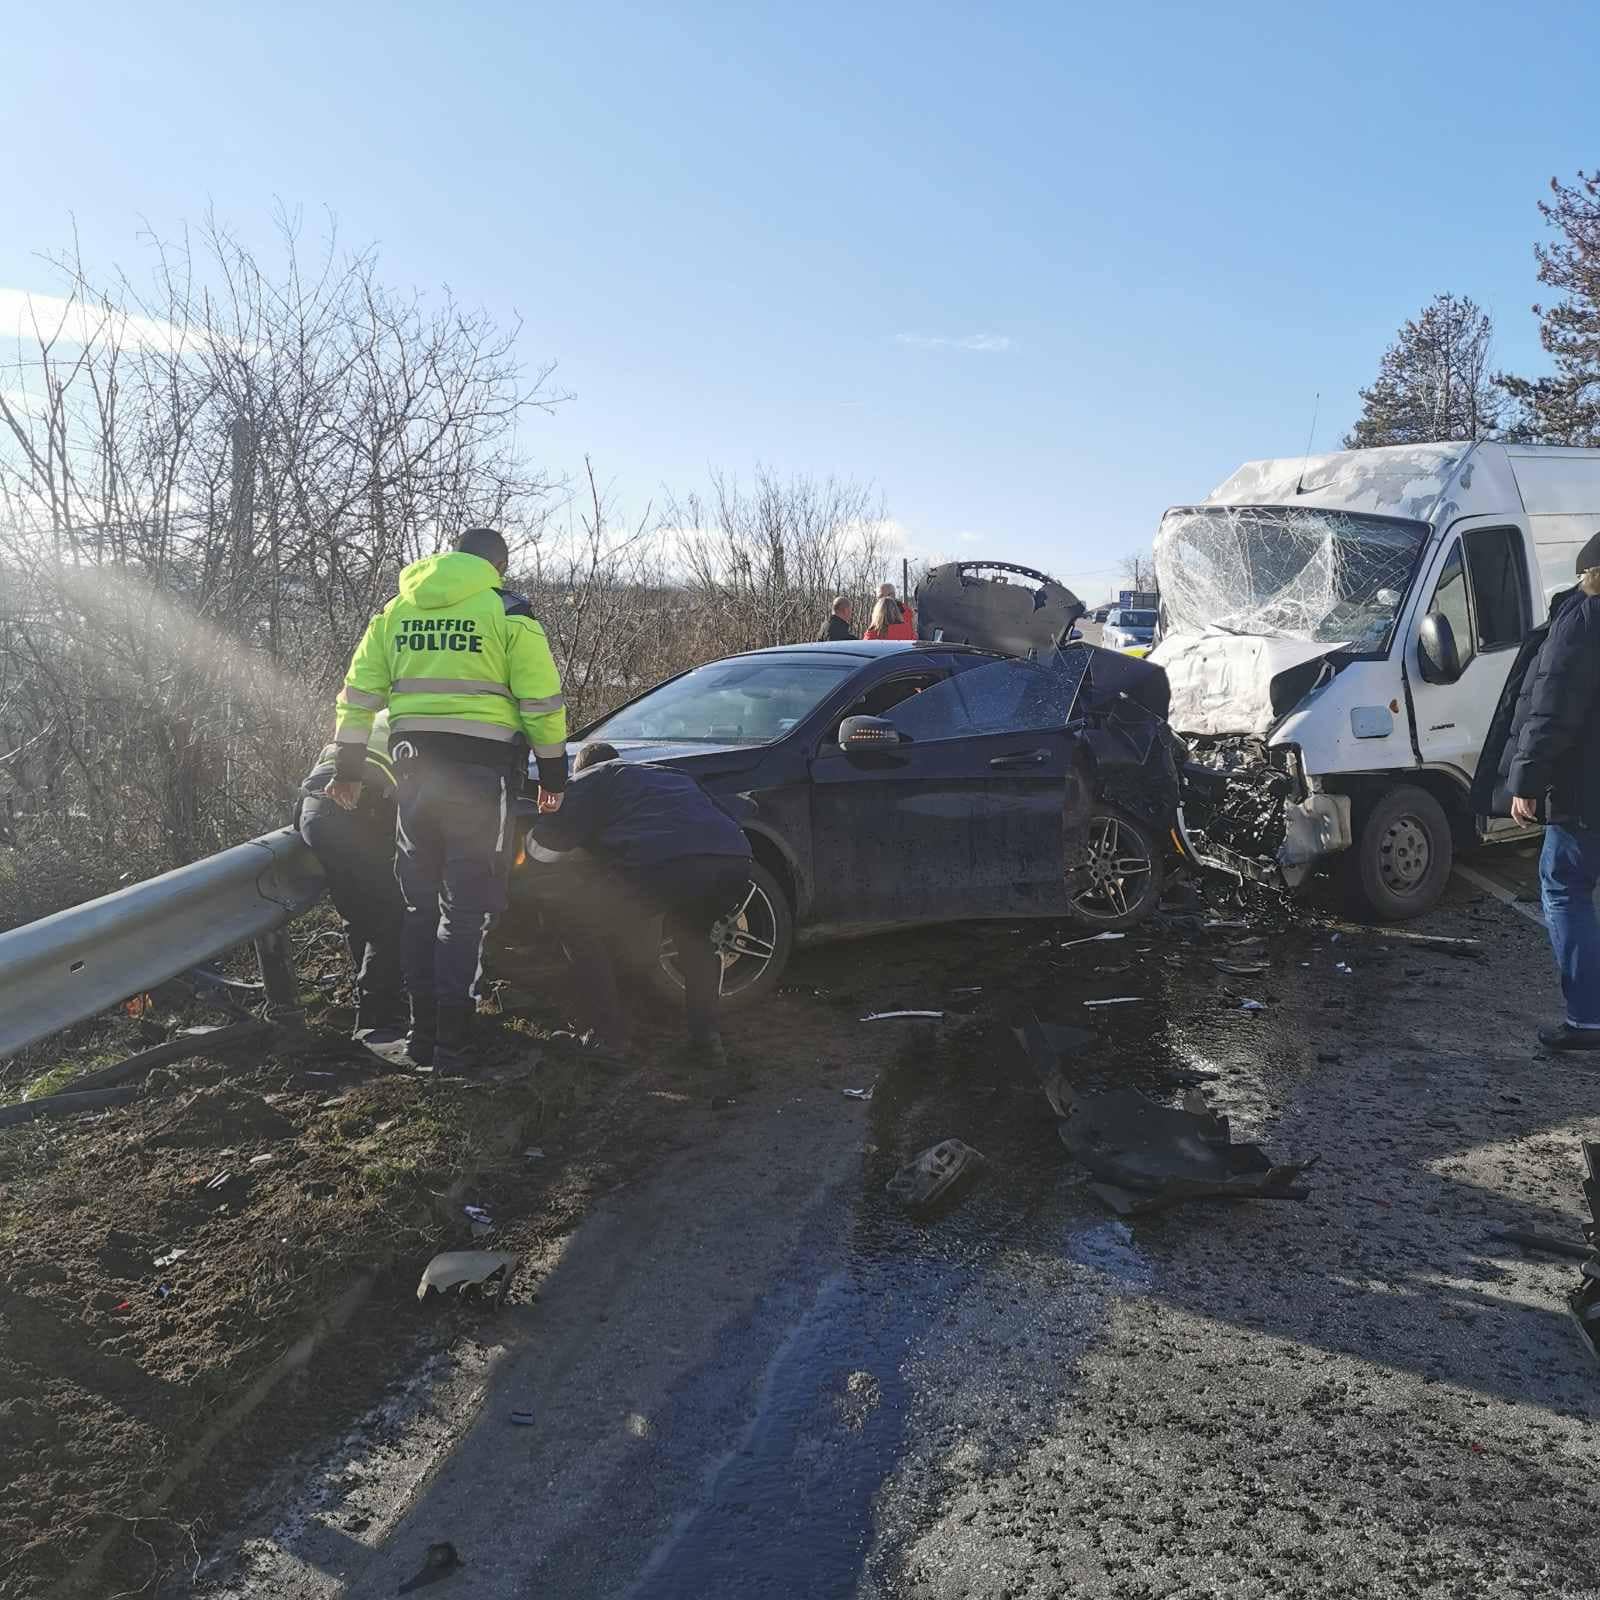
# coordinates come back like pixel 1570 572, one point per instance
pixel 1504 896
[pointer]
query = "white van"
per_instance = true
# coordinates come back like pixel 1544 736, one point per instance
pixel 1337 629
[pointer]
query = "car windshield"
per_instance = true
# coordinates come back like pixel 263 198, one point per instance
pixel 1289 572
pixel 1136 619
pixel 748 700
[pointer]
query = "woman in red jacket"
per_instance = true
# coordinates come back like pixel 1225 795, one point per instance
pixel 891 618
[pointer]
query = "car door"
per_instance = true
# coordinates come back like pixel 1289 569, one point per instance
pixel 1481 586
pixel 965 816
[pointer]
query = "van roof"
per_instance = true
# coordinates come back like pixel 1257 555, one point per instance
pixel 1393 481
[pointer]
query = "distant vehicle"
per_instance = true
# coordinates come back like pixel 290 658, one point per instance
pixel 1125 629
pixel 1100 613
pixel 1337 630
pixel 1138 599
pixel 993 768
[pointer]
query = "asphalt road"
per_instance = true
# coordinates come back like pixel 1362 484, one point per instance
pixel 752 1375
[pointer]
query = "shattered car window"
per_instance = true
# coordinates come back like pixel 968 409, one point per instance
pixel 747 700
pixel 1289 572
pixel 998 698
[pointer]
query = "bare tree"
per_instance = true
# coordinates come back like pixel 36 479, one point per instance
pixel 768 560
pixel 206 485
pixel 1138 571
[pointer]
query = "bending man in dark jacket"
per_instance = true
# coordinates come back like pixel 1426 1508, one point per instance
pixel 658 845
pixel 1555 764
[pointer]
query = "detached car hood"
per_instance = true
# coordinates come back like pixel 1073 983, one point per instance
pixel 1223 683
pixel 994 605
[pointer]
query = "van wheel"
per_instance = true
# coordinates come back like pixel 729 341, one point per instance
pixel 754 940
pixel 1119 882
pixel 1397 867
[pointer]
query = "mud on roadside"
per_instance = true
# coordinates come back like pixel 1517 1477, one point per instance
pixel 163 1260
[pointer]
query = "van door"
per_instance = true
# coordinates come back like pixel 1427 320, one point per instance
pixel 1480 582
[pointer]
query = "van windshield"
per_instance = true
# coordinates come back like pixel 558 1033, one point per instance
pixel 1288 572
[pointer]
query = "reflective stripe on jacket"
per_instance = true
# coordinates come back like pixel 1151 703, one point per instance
pixel 451 654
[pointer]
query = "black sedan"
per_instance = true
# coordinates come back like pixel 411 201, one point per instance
pixel 896 783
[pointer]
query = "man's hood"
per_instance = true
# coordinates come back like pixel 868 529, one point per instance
pixel 1222 683
pixel 436 582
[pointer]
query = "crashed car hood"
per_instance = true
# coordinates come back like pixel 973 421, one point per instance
pixel 1222 682
pixel 995 605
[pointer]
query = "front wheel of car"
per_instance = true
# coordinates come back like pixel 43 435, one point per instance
pixel 1118 880
pixel 755 940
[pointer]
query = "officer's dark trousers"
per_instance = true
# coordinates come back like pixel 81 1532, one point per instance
pixel 454 846
pixel 356 851
pixel 600 909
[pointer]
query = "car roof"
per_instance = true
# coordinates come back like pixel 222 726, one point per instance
pixel 866 649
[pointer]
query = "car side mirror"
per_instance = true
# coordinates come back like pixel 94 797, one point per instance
pixel 867 733
pixel 1437 654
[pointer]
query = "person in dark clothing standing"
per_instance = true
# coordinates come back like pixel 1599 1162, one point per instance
pixel 355 849
pixel 1554 768
pixel 838 624
pixel 656 845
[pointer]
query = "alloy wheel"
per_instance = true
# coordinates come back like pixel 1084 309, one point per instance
pixel 1118 869
pixel 746 939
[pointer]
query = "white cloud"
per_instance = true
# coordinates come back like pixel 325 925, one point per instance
pixel 26 316
pixel 987 343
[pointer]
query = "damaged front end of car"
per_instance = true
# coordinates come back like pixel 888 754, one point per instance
pixel 1248 809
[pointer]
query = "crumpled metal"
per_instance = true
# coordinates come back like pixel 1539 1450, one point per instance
pixel 1145 1156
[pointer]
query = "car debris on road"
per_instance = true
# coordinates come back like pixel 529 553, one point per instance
pixel 1147 1157
pixel 1584 1301
pixel 934 1175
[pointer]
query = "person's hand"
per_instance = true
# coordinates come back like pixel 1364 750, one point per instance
pixel 549 803
pixel 1524 810
pixel 347 796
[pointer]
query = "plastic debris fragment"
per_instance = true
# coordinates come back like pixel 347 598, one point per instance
pixel 1119 1000
pixel 860 1094
pixel 452 1267
pixel 934 1174
pixel 890 1016
pixel 1093 938
pixel 173 1255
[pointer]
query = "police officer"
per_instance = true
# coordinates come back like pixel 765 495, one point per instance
pixel 356 850
pixel 468 679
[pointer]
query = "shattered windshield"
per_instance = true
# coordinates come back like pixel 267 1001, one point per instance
pixel 748 700
pixel 1290 572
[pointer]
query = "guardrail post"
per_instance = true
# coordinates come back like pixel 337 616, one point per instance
pixel 277 978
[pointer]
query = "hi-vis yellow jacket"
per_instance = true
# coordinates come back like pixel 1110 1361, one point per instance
pixel 451 654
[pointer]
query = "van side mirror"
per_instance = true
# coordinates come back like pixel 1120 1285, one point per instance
pixel 867 733
pixel 1436 649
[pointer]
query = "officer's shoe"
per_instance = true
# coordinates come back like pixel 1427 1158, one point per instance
pixel 453 1055
pixel 420 1043
pixel 381 1026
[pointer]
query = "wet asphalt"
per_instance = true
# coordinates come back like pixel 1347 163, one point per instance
pixel 755 1375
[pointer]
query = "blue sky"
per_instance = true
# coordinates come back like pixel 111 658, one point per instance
pixel 1037 271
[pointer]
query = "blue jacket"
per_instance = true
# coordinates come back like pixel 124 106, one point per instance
pixel 637 816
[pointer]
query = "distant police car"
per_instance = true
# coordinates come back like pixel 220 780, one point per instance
pixel 1125 629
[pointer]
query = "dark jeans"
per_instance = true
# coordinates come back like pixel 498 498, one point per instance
pixel 356 850
pixel 1569 869
pixel 599 908
pixel 454 847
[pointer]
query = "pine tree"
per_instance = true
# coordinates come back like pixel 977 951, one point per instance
pixel 1565 408
pixel 1433 382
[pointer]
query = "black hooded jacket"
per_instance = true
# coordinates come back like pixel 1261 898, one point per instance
pixel 1544 742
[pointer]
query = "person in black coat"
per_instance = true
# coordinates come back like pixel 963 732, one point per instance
pixel 654 843
pixel 838 624
pixel 1552 770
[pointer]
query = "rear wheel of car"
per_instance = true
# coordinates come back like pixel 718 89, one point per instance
pixel 1401 858
pixel 754 940
pixel 1120 882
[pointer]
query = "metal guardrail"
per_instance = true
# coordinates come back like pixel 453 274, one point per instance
pixel 70 966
